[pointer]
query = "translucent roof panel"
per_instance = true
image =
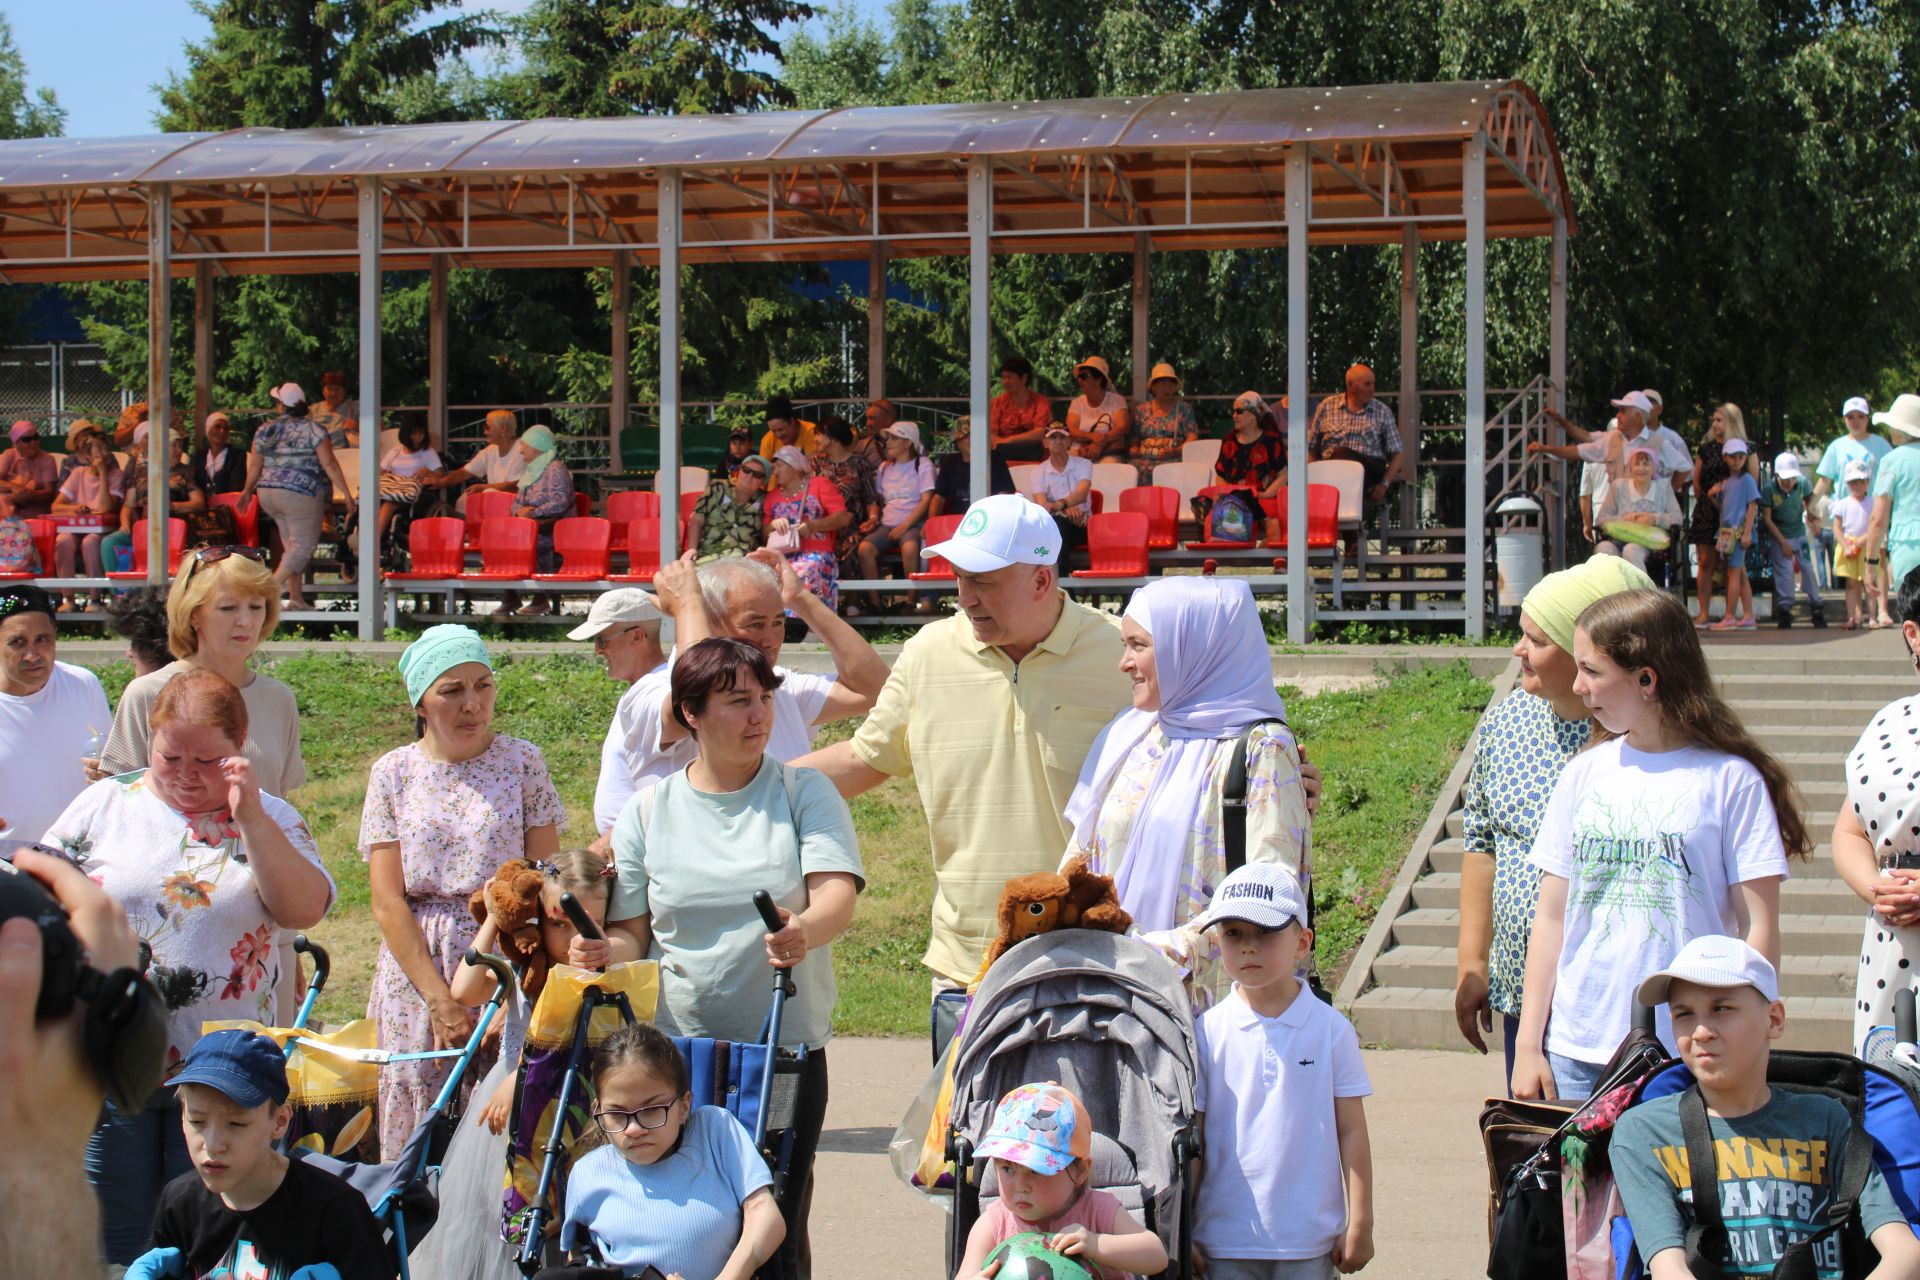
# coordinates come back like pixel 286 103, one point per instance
pixel 245 155
pixel 635 142
pixel 86 162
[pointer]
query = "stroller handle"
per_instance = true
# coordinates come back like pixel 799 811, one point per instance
pixel 1904 1028
pixel 502 973
pixel 581 920
pixel 322 962
pixel 769 914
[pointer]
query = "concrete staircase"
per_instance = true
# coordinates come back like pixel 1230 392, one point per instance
pixel 1400 988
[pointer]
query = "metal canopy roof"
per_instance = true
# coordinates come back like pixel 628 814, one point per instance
pixel 1184 170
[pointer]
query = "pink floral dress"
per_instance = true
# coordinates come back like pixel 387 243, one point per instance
pixel 189 895
pixel 455 823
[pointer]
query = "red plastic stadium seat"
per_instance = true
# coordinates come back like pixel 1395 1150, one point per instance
pixel 436 548
pixel 247 518
pixel 482 506
pixel 1215 491
pixel 507 548
pixel 643 551
pixel 1116 546
pixel 582 504
pixel 1323 517
pixel 582 543
pixel 176 545
pixel 939 529
pixel 1161 506
pixel 626 506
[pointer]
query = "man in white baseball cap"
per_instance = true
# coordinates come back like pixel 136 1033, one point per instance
pixel 624 625
pixel 1609 447
pixel 1671 453
pixel 1783 512
pixel 1858 443
pixel 992 711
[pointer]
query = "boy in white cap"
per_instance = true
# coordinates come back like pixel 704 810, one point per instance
pixel 1287 1191
pixel 1739 503
pixel 1780 1156
pixel 624 625
pixel 1783 509
pixel 1850 517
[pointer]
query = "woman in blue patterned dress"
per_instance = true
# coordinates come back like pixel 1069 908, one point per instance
pixel 1524 742
pixel 1147 807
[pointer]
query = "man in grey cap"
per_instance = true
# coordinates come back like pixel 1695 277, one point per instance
pixel 624 625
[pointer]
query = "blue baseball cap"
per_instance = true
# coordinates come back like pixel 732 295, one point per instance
pixel 247 1067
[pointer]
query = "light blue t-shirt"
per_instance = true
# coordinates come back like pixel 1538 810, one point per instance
pixel 713 852
pixel 1833 463
pixel 681 1214
pixel 1741 492
pixel 1898 476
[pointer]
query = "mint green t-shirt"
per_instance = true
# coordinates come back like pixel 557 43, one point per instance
pixel 1898 478
pixel 693 866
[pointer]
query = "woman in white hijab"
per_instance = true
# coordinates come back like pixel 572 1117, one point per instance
pixel 1147 810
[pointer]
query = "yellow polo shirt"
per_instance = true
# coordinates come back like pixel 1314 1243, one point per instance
pixel 807 437
pixel 995 750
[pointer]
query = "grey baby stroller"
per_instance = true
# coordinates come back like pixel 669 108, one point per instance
pixel 1106 1016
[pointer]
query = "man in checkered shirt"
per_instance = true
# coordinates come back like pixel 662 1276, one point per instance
pixel 1359 428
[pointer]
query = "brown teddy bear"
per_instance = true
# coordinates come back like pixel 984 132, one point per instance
pixel 512 898
pixel 1071 898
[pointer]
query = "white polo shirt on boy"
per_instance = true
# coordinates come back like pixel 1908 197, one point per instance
pixel 1273 1187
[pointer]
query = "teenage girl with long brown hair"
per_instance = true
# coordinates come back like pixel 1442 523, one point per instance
pixel 1672 824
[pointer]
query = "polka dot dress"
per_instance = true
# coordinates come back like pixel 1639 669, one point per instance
pixel 1883 788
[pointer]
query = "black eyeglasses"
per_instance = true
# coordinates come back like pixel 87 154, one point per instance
pixel 616 1122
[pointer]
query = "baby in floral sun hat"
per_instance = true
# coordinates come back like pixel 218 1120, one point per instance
pixel 1041 1146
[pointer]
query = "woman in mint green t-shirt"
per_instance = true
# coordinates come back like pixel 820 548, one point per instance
pixel 1895 531
pixel 692 850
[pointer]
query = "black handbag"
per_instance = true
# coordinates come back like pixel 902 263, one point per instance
pixel 1524 1223
pixel 1233 833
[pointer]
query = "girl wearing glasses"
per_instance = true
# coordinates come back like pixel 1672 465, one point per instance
pixel 677 1188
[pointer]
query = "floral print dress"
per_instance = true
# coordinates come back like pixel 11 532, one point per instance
pixel 815 562
pixel 1157 436
pixel 190 896
pixel 1279 829
pixel 455 824
pixel 1521 749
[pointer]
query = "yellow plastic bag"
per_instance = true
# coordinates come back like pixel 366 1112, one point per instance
pixel 557 1012
pixel 334 1096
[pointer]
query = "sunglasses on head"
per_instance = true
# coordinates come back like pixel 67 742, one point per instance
pixel 214 555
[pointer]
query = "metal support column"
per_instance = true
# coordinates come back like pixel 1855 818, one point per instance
pixel 437 352
pixel 1142 310
pixel 159 371
pixel 620 296
pixel 1476 407
pixel 979 329
pixel 202 351
pixel 1299 209
pixel 1410 374
pixel 370 416
pixel 877 322
pixel 1557 376
pixel 669 483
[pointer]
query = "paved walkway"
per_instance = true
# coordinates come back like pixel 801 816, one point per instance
pixel 1429 1175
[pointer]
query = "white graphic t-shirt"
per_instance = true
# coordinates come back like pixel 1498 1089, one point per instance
pixel 1652 847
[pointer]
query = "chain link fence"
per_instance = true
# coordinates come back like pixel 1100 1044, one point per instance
pixel 55 382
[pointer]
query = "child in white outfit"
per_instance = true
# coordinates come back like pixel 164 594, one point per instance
pixel 1287 1188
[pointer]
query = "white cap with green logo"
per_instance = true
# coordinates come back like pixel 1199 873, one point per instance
pixel 1001 530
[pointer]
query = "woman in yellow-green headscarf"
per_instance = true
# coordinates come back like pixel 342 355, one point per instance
pixel 1523 742
pixel 546 495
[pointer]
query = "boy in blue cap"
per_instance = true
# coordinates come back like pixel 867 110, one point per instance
pixel 246 1210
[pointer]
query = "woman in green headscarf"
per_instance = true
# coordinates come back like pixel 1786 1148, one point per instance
pixel 546 495
pixel 1523 742
pixel 442 813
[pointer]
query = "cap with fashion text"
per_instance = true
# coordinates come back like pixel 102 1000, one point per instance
pixel 1264 894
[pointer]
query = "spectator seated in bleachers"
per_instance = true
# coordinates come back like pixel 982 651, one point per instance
pixel 1358 428
pixel 1019 416
pixel 785 427
pixel 1062 487
pixel 96 488
pixel 1098 419
pixel 872 444
pixel 497 467
pixel 953 479
pixel 546 495
pixel 29 475
pixel 183 496
pixel 338 416
pixel 404 473
pixel 726 520
pixel 739 449
pixel 842 463
pixel 1254 452
pixel 216 466
pixel 1162 423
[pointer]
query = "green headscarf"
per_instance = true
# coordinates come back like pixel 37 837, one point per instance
pixel 437 651
pixel 541 438
pixel 1557 600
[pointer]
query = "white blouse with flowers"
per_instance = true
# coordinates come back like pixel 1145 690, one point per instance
pixel 189 894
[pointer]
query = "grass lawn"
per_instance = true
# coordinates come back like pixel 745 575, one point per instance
pixel 1385 751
